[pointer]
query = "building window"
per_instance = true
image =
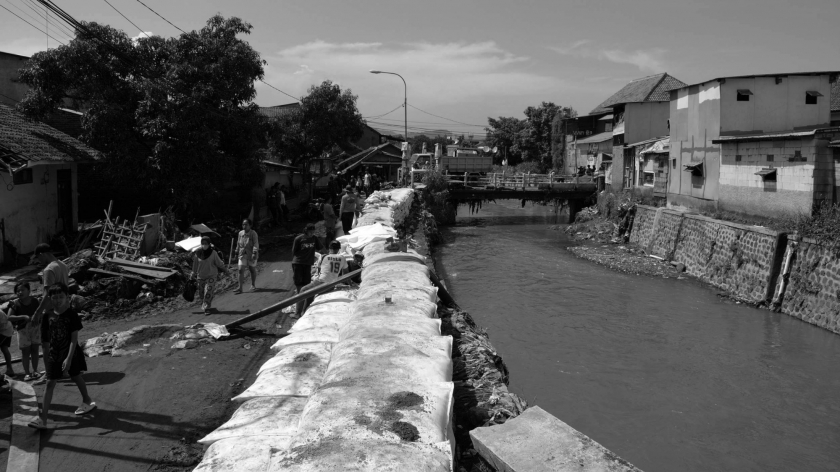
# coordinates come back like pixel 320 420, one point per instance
pixel 770 158
pixel 673 163
pixel 743 95
pixel 661 163
pixel 737 158
pixel 648 179
pixel 23 176
pixel 811 97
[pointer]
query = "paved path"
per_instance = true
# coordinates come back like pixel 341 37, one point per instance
pixel 152 407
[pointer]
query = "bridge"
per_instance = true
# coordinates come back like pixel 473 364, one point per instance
pixel 521 186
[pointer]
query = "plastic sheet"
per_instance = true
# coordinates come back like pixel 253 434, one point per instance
pixel 266 416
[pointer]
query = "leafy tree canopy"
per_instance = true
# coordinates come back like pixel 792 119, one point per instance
pixel 527 139
pixel 172 115
pixel 327 117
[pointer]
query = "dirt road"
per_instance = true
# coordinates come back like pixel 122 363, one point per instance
pixel 153 406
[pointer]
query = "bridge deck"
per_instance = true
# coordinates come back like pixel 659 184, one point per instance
pixel 556 190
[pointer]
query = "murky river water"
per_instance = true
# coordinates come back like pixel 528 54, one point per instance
pixel 662 372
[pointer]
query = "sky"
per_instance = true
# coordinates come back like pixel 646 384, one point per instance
pixel 467 60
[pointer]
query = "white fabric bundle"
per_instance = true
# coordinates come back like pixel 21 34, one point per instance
pixel 263 417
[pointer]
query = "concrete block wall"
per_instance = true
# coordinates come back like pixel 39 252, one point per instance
pixel 813 290
pixel 740 259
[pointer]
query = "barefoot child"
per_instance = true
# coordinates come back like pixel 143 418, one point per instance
pixel 206 267
pixel 6 332
pixel 22 312
pixel 62 353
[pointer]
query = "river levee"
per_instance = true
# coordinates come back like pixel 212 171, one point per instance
pixel 663 372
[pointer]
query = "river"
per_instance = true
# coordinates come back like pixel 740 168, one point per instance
pixel 663 372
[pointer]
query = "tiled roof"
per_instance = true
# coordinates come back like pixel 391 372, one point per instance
pixel 35 141
pixel 279 110
pixel 835 95
pixel 653 88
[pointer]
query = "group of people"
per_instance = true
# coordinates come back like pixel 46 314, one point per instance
pixel 51 325
pixel 367 180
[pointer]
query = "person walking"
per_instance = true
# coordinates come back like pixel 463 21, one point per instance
pixel 55 272
pixel 347 209
pixel 62 353
pixel 248 247
pixel 21 313
pixel 284 210
pixel 330 220
pixel 303 257
pixel 273 200
pixel 206 267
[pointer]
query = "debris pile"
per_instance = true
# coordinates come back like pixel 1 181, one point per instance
pixel 140 338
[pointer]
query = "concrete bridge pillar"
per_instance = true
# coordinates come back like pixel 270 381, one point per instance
pixel 575 205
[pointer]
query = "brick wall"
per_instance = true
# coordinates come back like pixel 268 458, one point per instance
pixel 813 290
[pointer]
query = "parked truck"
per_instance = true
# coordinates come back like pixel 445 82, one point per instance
pixel 456 161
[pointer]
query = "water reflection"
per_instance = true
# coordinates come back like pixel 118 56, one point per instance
pixel 663 372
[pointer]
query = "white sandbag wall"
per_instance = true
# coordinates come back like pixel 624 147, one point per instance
pixel 384 399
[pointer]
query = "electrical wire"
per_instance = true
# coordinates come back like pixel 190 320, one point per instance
pixel 443 117
pixel 126 18
pixel 426 122
pixel 388 113
pixel 161 16
pixel 30 24
pixel 33 6
pixel 24 12
pixel 275 88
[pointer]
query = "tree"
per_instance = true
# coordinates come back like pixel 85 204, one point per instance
pixel 172 116
pixel 506 134
pixel 327 117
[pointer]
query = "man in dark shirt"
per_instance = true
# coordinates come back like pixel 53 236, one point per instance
pixel 62 353
pixel 303 257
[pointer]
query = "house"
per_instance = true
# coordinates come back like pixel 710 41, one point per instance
pixel 588 141
pixel 651 156
pixel 385 160
pixel 755 144
pixel 639 112
pixel 38 169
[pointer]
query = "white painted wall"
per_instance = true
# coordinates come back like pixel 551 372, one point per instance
pixel 30 210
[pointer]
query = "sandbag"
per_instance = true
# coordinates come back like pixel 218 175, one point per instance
pixel 338 296
pixel 316 335
pixel 434 347
pixel 299 379
pixel 297 353
pixel 398 290
pixel 392 270
pixel 242 454
pixel 394 257
pixel 385 327
pixel 380 409
pixel 338 454
pixel 403 363
pixel 265 416
pixel 332 315
pixel 400 307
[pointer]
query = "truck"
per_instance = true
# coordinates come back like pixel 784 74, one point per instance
pixel 456 161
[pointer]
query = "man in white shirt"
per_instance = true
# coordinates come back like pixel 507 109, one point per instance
pixel 329 268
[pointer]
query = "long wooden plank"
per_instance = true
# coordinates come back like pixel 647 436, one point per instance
pixel 25 445
pixel 147 272
pixel 117 274
pixel 139 265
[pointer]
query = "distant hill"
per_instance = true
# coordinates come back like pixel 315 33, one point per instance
pixel 411 134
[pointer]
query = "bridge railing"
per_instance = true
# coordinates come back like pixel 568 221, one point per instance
pixel 517 181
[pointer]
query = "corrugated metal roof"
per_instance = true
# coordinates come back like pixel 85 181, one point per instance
pixel 35 141
pixel 596 138
pixel 279 110
pixel 653 88
pixel 778 135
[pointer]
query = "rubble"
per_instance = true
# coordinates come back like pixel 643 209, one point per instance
pixel 140 338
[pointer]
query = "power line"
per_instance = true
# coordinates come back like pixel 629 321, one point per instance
pixel 275 88
pixel 161 16
pixel 24 12
pixel 388 113
pixel 425 122
pixel 32 6
pixel 443 117
pixel 30 24
pixel 126 18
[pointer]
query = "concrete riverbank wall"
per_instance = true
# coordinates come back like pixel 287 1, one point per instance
pixel 799 277
pixel 363 380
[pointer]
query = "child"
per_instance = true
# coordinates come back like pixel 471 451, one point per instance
pixel 6 333
pixel 303 257
pixel 206 267
pixel 62 353
pixel 29 332
pixel 329 269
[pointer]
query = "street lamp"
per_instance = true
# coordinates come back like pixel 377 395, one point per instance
pixel 405 107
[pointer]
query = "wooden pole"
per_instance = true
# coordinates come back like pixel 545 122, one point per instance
pixel 292 300
pixel 230 259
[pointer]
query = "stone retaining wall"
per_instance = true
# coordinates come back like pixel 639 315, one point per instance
pixel 746 261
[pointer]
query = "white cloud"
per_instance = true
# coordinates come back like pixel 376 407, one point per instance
pixel 436 73
pixel 652 60
pixel 143 34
